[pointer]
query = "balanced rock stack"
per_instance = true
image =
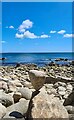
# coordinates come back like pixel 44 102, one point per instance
pixel 37 78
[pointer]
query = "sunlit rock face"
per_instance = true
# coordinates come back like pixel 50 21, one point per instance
pixel 37 78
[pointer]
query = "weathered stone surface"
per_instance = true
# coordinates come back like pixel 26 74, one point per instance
pixel 17 96
pixel 6 99
pixel 70 109
pixel 16 83
pixel 69 87
pixel 3 85
pixel 70 99
pixel 27 84
pixel 2 110
pixel 20 107
pixel 57 84
pixel 61 90
pixel 71 116
pixel 37 78
pixel 47 106
pixel 26 93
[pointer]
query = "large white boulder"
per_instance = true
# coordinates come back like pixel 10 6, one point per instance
pixel 47 106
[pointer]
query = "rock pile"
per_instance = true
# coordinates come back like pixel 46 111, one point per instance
pixel 26 93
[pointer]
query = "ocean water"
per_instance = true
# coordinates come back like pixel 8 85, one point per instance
pixel 37 58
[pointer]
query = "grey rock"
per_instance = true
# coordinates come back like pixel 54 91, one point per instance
pixel 70 109
pixel 71 116
pixel 6 99
pixel 26 93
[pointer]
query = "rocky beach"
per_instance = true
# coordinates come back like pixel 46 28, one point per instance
pixel 28 91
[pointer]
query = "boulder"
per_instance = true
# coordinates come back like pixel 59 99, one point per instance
pixel 25 92
pixel 16 109
pixel 2 110
pixel 37 78
pixel 47 106
pixel 6 99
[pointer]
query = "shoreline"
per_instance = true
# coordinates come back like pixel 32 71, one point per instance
pixel 16 89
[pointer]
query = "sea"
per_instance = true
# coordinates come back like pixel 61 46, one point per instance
pixel 41 59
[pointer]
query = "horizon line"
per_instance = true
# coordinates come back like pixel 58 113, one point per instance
pixel 38 52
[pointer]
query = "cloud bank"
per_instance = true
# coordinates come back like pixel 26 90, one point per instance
pixel 23 31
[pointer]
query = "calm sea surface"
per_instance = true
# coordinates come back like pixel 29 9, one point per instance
pixel 37 58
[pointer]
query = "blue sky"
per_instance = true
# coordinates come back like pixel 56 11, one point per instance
pixel 37 27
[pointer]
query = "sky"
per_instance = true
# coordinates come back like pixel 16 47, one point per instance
pixel 37 27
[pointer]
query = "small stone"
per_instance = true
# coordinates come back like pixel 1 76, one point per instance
pixel 61 90
pixel 17 96
pixel 69 87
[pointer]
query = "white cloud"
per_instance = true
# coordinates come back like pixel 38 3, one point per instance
pixel 22 30
pixel 61 32
pixel 69 35
pixel 52 31
pixel 25 25
pixel 44 36
pixel 20 36
pixel 28 34
pixel 24 33
pixel 11 27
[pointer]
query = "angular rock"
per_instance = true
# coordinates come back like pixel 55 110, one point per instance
pixel 37 78
pixel 47 106
pixel 2 110
pixel 26 93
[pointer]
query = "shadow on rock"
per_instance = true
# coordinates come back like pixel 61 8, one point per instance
pixel 16 114
pixel 28 114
